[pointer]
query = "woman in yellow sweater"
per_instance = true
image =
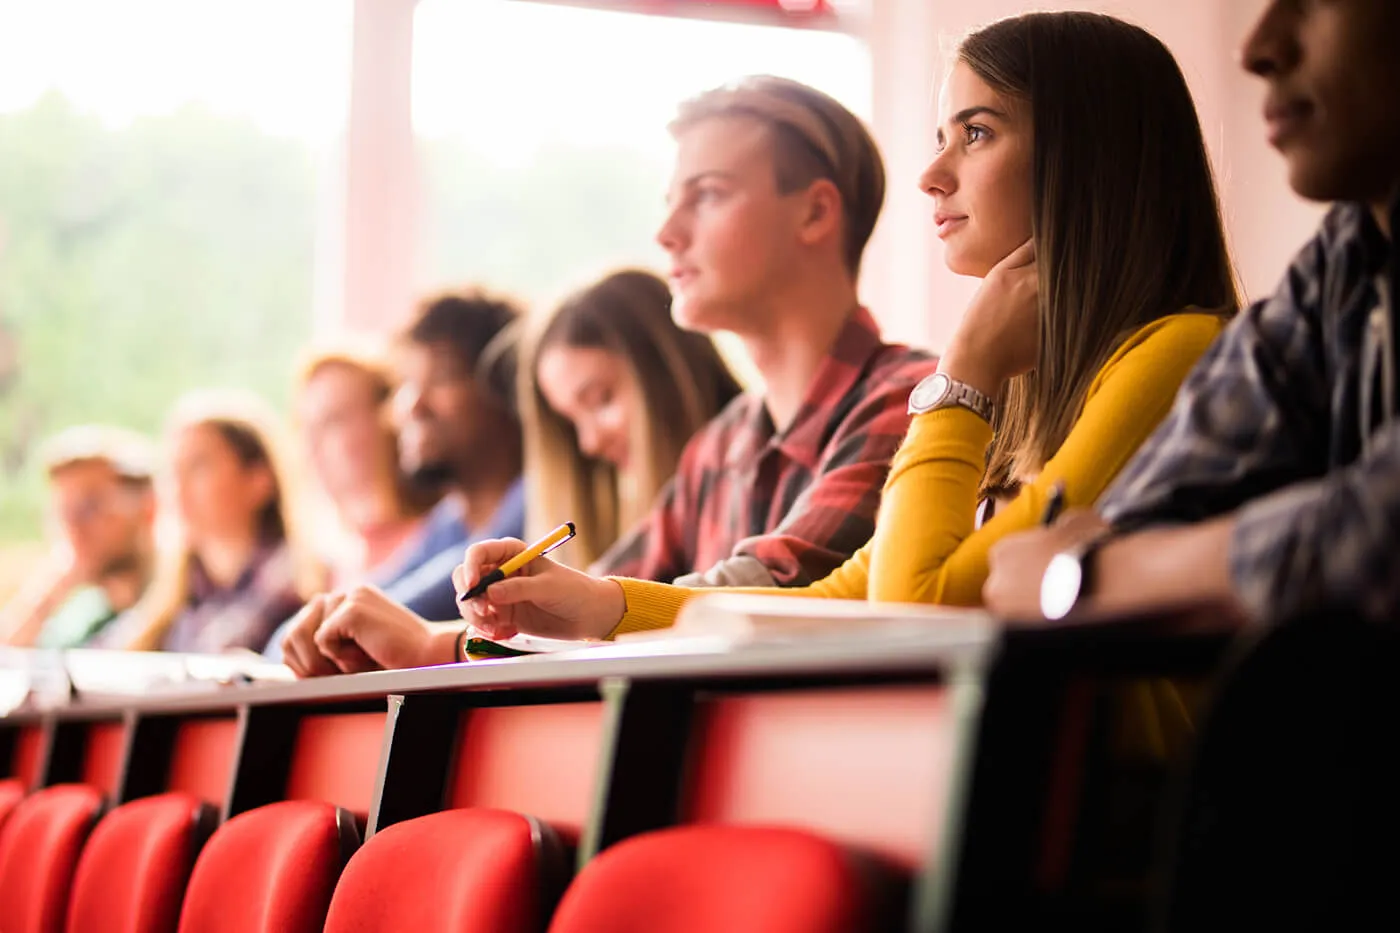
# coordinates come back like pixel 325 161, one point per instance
pixel 1071 176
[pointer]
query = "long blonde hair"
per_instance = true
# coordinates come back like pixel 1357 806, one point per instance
pixel 246 425
pixel 681 381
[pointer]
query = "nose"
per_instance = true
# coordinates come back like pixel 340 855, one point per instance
pixel 670 236
pixel 1272 47
pixel 589 438
pixel 939 177
pixel 407 402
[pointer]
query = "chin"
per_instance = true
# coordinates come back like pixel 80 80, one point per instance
pixel 1320 179
pixel 696 314
pixel 960 263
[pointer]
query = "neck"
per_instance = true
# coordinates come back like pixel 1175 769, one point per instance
pixel 225 560
pixel 124 587
pixel 482 491
pixel 800 326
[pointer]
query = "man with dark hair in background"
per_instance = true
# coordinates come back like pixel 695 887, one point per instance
pixel 458 428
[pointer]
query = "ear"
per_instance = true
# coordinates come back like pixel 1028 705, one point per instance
pixel 821 213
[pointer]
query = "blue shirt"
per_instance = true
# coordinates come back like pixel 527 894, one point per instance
pixel 427 590
pixel 424 586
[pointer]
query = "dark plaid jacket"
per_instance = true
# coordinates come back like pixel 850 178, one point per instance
pixel 1290 419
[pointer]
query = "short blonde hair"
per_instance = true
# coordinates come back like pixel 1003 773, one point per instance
pixel 813 137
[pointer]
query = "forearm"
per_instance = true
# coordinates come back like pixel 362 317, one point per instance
pixel 1165 568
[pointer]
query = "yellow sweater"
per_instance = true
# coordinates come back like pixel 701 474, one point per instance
pixel 926 548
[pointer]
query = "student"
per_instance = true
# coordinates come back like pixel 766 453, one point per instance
pixel 776 190
pixel 342 403
pixel 239 567
pixel 1273 489
pixel 102 508
pixel 1071 176
pixel 615 391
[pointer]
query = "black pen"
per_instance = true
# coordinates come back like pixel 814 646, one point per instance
pixel 1054 505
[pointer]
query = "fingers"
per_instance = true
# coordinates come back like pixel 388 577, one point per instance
pixel 350 658
pixel 299 651
pixel 516 590
pixel 485 556
pixel 1022 255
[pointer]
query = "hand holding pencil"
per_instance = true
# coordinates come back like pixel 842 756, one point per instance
pixel 507 587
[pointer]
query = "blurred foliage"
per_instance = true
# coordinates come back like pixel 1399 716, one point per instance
pixel 139 262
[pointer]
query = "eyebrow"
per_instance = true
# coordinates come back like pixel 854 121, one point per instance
pixel 698 177
pixel 962 116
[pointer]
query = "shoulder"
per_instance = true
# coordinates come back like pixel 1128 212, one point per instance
pixel 897 366
pixel 1166 348
pixel 715 436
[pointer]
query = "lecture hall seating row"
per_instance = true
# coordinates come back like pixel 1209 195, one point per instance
pixel 976 781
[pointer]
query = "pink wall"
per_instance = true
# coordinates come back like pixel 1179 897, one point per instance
pixel 906 281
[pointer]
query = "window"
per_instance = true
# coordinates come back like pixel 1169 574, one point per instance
pixel 161 180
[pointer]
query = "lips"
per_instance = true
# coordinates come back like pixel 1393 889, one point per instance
pixel 945 222
pixel 1286 118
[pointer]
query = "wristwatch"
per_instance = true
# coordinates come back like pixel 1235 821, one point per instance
pixel 939 391
pixel 1068 578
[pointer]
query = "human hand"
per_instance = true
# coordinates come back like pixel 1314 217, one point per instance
pixel 1018 562
pixel 541 598
pixel 999 334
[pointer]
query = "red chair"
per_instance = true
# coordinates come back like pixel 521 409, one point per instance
pixel 458 871
pixel 736 879
pixel 270 870
pixel 39 851
pixel 132 874
pixel 11 793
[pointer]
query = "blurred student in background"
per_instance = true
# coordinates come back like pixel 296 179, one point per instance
pixel 237 566
pixel 102 512
pixel 455 410
pixel 351 448
pixel 614 391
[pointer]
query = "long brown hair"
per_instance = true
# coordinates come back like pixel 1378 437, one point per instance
pixel 1126 223
pixel 245 424
pixel 681 381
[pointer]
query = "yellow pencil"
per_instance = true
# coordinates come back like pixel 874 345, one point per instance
pixel 540 548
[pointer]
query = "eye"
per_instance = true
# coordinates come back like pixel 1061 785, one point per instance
pixel 974 132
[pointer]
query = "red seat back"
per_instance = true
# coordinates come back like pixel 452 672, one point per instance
pixel 270 870
pixel 39 851
pixel 132 874
pixel 458 871
pixel 740 879
pixel 11 793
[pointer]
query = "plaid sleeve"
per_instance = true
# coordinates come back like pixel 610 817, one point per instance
pixel 1251 417
pixel 835 515
pixel 1326 545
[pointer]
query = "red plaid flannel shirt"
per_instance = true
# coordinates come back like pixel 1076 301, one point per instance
pixel 752 507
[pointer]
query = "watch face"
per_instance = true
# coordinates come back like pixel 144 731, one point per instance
pixel 928 393
pixel 1059 588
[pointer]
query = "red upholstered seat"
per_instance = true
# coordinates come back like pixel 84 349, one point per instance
pixel 735 879
pixel 11 793
pixel 39 851
pixel 459 871
pixel 270 870
pixel 132 875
